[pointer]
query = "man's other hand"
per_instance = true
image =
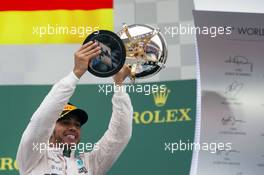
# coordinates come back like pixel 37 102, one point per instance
pixel 83 57
pixel 121 75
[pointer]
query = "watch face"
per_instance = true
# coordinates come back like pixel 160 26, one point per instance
pixel 113 54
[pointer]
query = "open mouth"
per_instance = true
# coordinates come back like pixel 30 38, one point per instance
pixel 71 137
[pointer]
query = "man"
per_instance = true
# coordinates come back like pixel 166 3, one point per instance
pixel 56 122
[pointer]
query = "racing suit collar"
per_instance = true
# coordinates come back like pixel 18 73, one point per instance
pixel 64 152
pixel 68 153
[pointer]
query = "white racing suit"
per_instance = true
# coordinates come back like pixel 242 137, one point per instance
pixel 51 161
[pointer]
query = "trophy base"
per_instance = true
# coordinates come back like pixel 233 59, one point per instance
pixel 113 54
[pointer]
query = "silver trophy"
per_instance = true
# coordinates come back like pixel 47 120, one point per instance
pixel 140 46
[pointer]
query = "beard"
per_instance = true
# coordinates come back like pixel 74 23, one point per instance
pixel 63 141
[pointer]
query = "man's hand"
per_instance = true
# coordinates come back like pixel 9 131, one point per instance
pixel 121 75
pixel 83 57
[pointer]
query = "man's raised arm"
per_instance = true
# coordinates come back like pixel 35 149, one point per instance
pixel 119 130
pixel 44 119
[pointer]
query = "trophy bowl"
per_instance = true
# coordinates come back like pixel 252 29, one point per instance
pixel 140 46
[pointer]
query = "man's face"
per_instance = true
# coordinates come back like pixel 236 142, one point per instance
pixel 67 131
